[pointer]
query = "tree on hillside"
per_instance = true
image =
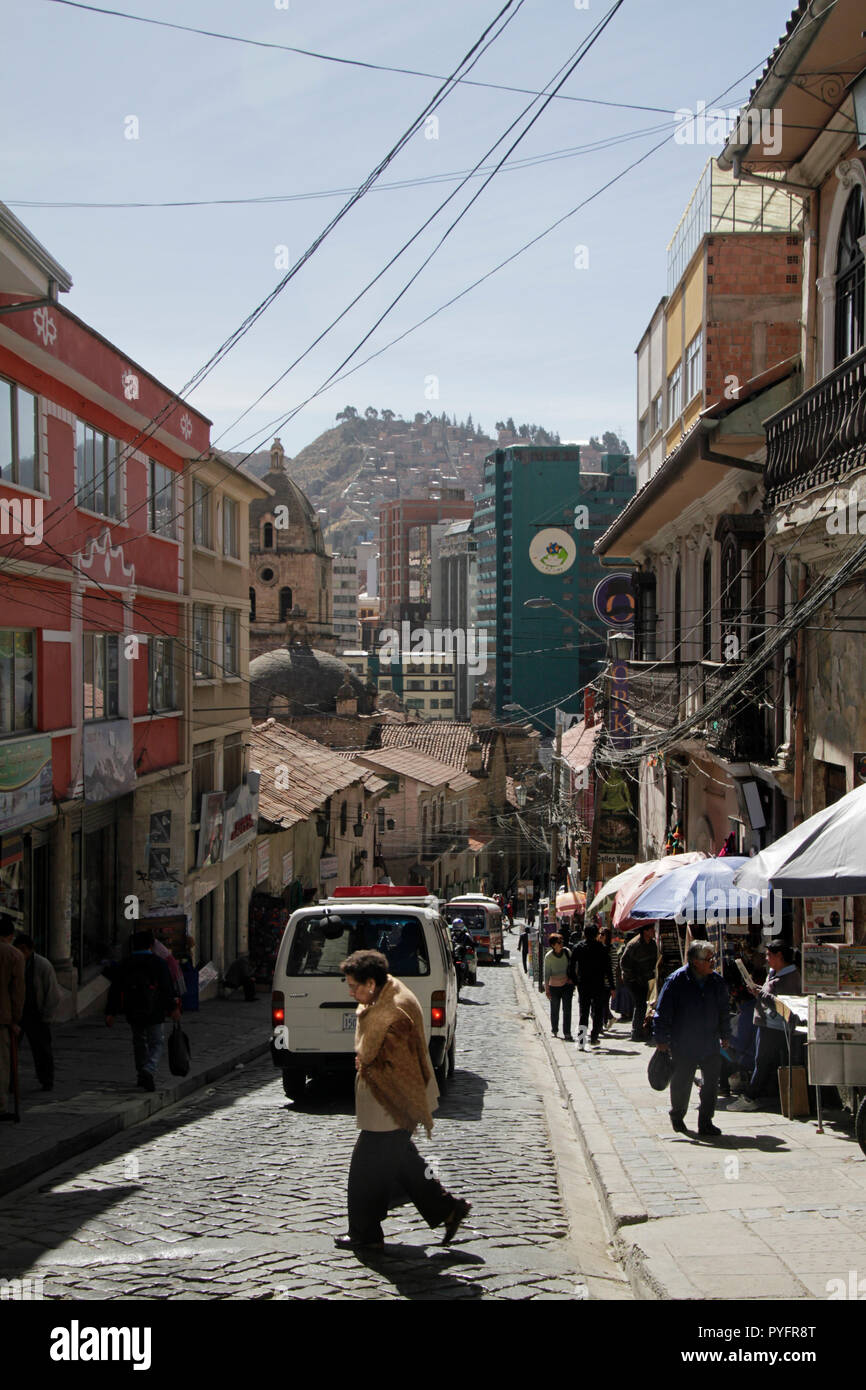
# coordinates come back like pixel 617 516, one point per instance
pixel 349 413
pixel 371 413
pixel 470 428
pixel 500 425
pixel 387 416
pixel 613 444
pixel 510 425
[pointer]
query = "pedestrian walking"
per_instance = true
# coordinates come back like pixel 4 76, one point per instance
pixel 558 987
pixel 510 912
pixel 531 914
pixel 395 1091
pixel 693 1022
pixel 590 970
pixel 606 939
pixel 638 964
pixel 142 989
pixel 41 1002
pixel 773 1037
pixel 523 943
pixel 12 993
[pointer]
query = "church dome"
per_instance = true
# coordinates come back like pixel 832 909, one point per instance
pixel 301 680
pixel 304 531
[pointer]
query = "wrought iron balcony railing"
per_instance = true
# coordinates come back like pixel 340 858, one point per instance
pixel 821 436
pixel 665 694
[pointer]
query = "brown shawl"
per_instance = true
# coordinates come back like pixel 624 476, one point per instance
pixel 392 1055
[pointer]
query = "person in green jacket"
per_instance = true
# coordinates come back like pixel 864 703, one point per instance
pixel 558 987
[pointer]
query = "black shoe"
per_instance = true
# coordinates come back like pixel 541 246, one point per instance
pixel 708 1129
pixel 566 1037
pixel 594 1041
pixel 347 1243
pixel 460 1213
pixel 678 1121
pixel 554 1032
pixel 146 1081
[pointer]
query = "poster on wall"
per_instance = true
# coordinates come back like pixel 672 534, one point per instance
pixel 109 770
pixel 210 834
pixel 820 969
pixel 618 824
pixel 288 867
pixel 25 781
pixel 263 861
pixel 824 918
pixel 852 969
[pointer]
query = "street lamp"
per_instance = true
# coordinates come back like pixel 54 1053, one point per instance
pixel 620 644
pixel 545 602
pixel 513 707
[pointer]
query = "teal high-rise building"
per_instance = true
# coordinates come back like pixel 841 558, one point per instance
pixel 536 520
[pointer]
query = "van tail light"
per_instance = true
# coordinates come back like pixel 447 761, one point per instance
pixel 278 1008
pixel 437 1009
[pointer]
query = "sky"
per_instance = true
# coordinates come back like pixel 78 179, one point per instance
pixel 99 109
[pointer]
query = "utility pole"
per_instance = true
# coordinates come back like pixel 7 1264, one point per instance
pixel 554 854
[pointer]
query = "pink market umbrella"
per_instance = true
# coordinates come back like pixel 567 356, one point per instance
pixel 626 899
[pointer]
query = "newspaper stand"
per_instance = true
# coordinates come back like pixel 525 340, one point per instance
pixel 837 1053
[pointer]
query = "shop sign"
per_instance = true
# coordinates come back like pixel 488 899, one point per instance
pixel 241 816
pixel 613 599
pixel 288 867
pixel 263 861
pixel 109 770
pixel 26 786
pixel 825 918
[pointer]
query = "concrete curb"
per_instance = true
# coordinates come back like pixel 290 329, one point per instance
pixel 122 1116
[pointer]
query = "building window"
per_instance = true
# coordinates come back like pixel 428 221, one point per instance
pixel 231 528
pixel 731 589
pixel 98 460
pixel 285 604
pixel 201 534
pixel 850 279
pixel 694 357
pixel 642 435
pixel 645 616
pixel 162 689
pixel 162 505
pixel 202 776
pixel 344 817
pixel 677 654
pixel 707 608
pixel 675 384
pixel 17 681
pixel 202 653
pixel 231 666
pixel 101 676
pixel 19 448
pixel 230 919
pixel 233 762
pixel 252 604
pixel 657 413
pixel 267 536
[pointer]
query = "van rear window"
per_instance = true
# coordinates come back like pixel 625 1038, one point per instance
pixel 474 918
pixel 321 943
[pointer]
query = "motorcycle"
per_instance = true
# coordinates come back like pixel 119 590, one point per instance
pixel 465 964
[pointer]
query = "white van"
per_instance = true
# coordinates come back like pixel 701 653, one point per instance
pixel 312 1013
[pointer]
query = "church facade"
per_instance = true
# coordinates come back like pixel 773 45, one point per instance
pixel 291 585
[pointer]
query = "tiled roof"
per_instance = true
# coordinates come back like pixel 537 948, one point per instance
pixel 410 763
pixel 447 740
pixel 315 773
pixel 578 743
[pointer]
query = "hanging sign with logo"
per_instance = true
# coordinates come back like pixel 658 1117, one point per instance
pixel 613 599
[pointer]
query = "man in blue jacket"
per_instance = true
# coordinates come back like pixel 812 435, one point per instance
pixel 693 1022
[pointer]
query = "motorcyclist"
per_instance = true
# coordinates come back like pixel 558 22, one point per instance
pixel 462 941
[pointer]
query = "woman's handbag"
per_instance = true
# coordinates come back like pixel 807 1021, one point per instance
pixel 178 1051
pixel 660 1070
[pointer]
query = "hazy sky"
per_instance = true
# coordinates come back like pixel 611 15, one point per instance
pixel 542 340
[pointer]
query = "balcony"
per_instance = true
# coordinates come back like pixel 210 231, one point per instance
pixel 821 437
pixel 662 694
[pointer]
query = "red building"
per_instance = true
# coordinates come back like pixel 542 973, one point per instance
pixel 404 532
pixel 92 610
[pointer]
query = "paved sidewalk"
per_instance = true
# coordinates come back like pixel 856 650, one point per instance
pixel 96 1094
pixel 770 1210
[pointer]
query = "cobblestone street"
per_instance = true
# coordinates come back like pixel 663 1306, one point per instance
pixel 237 1193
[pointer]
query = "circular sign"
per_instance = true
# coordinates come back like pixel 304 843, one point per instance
pixel 553 551
pixel 613 599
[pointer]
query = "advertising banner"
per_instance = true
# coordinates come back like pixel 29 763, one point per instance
pixel 263 861
pixel 109 770
pixel 210 834
pixel 241 816
pixel 25 781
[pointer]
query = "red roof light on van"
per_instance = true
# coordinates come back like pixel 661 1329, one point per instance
pixel 383 890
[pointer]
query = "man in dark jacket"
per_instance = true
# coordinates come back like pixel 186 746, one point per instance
pixel 41 1001
pixel 589 968
pixel 693 1022
pixel 638 966
pixel 142 988
pixel 11 1006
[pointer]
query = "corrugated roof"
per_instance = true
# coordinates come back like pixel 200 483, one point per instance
pixel 315 773
pixel 410 763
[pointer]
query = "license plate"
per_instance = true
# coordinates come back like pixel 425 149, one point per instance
pixel 348 1023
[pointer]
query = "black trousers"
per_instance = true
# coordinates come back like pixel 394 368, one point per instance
pixel 386 1166
pixel 638 989
pixel 38 1034
pixel 771 1052
pixel 684 1075
pixel 561 994
pixel 524 951
pixel 593 997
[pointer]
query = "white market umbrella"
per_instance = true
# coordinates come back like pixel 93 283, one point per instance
pixel 826 855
